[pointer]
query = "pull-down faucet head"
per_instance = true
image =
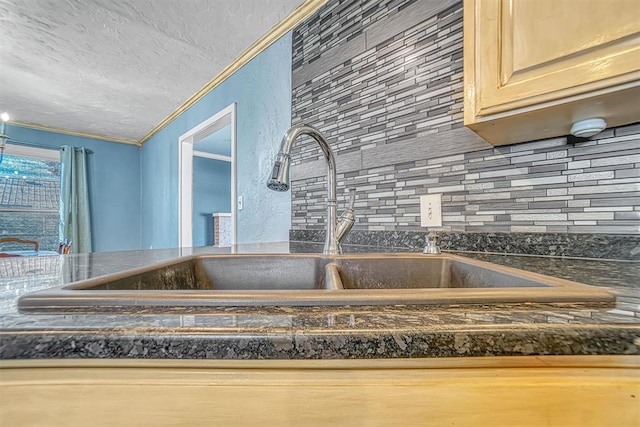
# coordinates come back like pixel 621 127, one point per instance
pixel 279 180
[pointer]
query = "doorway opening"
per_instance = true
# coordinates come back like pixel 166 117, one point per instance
pixel 207 179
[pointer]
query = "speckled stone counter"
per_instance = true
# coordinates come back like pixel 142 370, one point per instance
pixel 603 246
pixel 318 332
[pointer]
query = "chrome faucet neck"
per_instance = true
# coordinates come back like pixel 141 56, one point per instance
pixel 280 178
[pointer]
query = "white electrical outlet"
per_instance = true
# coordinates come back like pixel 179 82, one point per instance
pixel 240 203
pixel 431 210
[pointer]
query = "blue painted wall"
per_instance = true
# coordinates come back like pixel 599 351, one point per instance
pixel 262 91
pixel 211 193
pixel 115 180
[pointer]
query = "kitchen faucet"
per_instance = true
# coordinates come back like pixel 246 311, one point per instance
pixel 279 181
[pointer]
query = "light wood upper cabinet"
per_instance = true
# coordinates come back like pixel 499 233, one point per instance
pixel 533 67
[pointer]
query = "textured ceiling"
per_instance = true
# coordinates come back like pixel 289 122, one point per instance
pixel 118 67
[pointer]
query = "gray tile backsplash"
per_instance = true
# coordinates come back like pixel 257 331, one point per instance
pixel 383 81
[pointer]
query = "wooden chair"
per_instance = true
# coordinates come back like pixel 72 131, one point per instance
pixel 17 240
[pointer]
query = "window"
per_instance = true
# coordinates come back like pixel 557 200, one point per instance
pixel 30 196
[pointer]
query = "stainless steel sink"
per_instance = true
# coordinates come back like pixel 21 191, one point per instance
pixel 219 273
pixel 310 280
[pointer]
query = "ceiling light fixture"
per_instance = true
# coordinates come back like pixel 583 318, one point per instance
pixel 3 137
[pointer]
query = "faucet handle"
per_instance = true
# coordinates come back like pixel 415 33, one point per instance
pixel 348 217
pixel 352 197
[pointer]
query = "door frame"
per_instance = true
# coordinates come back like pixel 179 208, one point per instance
pixel 219 120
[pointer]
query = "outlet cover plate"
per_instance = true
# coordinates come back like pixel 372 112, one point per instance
pixel 431 210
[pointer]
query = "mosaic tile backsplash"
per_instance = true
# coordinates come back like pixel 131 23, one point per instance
pixel 383 81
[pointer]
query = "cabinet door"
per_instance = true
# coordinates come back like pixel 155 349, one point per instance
pixel 561 391
pixel 529 54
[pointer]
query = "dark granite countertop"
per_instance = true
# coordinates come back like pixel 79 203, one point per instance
pixel 319 332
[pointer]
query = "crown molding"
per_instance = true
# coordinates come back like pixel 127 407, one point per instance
pixel 291 21
pixel 301 13
pixel 74 133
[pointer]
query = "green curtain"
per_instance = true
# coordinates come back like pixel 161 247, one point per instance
pixel 75 217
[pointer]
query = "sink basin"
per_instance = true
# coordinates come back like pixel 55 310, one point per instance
pixel 310 280
pixel 219 273
pixel 416 272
